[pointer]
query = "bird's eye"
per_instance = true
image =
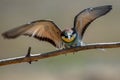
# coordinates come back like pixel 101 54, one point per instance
pixel 65 36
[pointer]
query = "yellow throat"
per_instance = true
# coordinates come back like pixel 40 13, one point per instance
pixel 67 39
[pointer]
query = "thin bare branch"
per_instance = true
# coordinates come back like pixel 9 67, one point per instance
pixel 36 57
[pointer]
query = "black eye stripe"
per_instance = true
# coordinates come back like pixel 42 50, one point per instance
pixel 66 36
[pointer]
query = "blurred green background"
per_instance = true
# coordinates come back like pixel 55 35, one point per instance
pixel 71 67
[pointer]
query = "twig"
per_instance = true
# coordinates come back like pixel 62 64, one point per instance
pixel 36 57
pixel 28 54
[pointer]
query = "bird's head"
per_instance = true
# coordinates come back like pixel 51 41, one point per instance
pixel 68 35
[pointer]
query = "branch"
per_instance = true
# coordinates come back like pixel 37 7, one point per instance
pixel 29 58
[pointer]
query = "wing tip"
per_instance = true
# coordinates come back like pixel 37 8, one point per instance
pixel 106 9
pixel 100 10
pixel 109 7
pixel 7 35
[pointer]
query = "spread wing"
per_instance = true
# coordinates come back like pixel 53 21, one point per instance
pixel 44 30
pixel 85 17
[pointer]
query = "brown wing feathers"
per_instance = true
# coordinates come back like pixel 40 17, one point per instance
pixel 85 17
pixel 42 29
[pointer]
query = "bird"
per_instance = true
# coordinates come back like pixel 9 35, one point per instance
pixel 47 30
